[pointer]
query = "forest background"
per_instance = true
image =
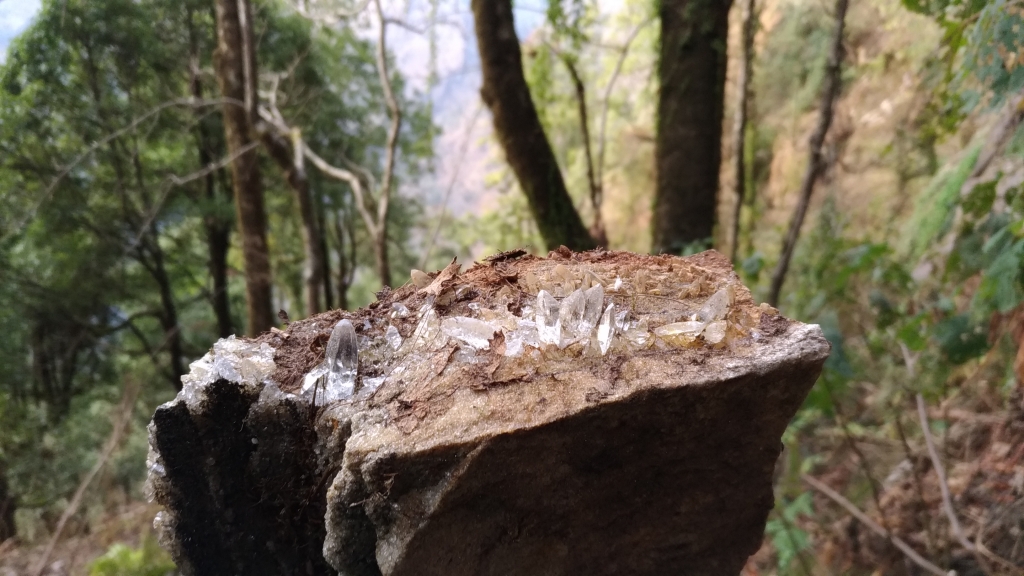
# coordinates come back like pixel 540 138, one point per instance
pixel 173 172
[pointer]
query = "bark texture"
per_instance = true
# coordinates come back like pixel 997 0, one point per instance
pixel 519 130
pixel 691 68
pixel 655 459
pixel 235 67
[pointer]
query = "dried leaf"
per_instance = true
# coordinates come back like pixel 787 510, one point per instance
pixel 443 279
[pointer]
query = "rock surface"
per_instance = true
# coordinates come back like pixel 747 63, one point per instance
pixel 625 421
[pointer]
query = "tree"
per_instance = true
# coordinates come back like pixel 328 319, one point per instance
pixel 235 63
pixel 518 128
pixel 815 161
pixel 691 69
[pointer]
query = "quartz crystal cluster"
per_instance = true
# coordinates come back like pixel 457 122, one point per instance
pixel 569 310
pixel 232 359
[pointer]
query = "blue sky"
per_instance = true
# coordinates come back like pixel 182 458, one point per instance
pixel 15 15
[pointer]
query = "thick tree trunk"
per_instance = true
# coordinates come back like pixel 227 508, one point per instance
pixel 815 162
pixel 236 76
pixel 739 134
pixel 519 130
pixel 690 102
pixel 291 162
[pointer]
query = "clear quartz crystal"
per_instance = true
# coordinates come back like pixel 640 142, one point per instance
pixel 428 331
pixel 570 313
pixel 399 310
pixel 594 297
pixel 606 329
pixel 471 331
pixel 393 338
pixel 638 335
pixel 680 333
pixel 525 334
pixel 335 378
pixel 549 326
pixel 714 333
pixel 717 306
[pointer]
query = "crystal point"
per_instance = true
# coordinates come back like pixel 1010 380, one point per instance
pixel 714 333
pixel 606 329
pixel 717 306
pixel 570 313
pixel 549 326
pixel 393 338
pixel 594 297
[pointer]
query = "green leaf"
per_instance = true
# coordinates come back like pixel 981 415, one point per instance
pixel 961 339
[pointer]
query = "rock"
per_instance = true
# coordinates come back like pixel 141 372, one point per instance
pixel 615 452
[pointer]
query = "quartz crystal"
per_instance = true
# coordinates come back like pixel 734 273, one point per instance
pixel 335 378
pixel 471 331
pixel 594 297
pixel 570 313
pixel 680 333
pixel 393 338
pixel 549 326
pixel 525 334
pixel 428 331
pixel 606 329
pixel 638 335
pixel 714 333
pixel 717 306
pixel 399 310
pixel 419 278
pixel 233 359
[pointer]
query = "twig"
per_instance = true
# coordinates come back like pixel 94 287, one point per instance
pixel 126 409
pixel 867 521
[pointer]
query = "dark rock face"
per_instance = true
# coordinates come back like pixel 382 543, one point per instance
pixel 653 459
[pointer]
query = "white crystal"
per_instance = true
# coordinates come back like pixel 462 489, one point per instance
pixel 617 285
pixel 715 332
pixel 549 326
pixel 428 331
pixel 622 320
pixel 606 329
pixel 271 393
pixel 476 333
pixel 638 335
pixel 717 306
pixel 594 297
pixel 334 379
pixel 393 338
pixel 570 313
pixel 524 335
pixel 399 310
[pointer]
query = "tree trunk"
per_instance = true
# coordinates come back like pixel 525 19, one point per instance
pixel 291 162
pixel 7 507
pixel 235 66
pixel 739 134
pixel 690 102
pixel 815 162
pixel 218 231
pixel 519 130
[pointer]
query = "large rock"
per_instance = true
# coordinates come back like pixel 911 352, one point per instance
pixel 635 440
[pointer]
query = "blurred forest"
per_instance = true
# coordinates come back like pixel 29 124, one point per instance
pixel 177 171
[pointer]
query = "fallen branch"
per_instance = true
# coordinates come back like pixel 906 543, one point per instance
pixel 874 526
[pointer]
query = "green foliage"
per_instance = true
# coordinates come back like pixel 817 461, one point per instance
pixel 789 540
pixel 791 66
pixel 149 559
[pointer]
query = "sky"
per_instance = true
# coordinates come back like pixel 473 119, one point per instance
pixel 15 15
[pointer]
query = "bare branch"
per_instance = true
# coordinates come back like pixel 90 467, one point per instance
pixel 623 52
pixel 867 521
pixel 396 120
